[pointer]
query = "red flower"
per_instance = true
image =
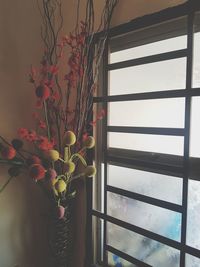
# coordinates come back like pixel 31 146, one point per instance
pixel 85 136
pixel 42 124
pixel 37 172
pixel 45 144
pixel 22 132
pixel 53 69
pixel 33 160
pixel 31 137
pixel 8 152
pixel 42 92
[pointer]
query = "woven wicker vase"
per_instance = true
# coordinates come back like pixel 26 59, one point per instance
pixel 61 239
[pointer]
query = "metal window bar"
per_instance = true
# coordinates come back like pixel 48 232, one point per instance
pixel 187 133
pixel 150 95
pixel 189 9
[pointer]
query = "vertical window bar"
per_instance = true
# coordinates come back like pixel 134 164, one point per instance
pixel 187 133
pixel 105 124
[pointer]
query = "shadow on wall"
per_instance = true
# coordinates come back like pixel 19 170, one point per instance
pixel 22 227
pixel 130 9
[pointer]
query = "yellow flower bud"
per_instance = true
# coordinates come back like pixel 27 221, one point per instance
pixel 53 155
pixel 90 171
pixel 60 186
pixel 89 142
pixel 70 138
pixel 70 167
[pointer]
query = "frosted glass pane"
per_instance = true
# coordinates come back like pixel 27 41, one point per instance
pixel 149 49
pixel 192 261
pixel 152 218
pixel 195 128
pixel 196 60
pixel 115 261
pixel 193 218
pixel 151 184
pixel 165 75
pixel 142 248
pixel 148 113
pixel 148 143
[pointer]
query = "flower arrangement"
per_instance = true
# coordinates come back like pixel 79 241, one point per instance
pixel 61 136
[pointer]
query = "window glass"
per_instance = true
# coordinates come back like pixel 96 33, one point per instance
pixel 192 261
pixel 193 217
pixel 147 216
pixel 114 260
pixel 146 142
pixel 151 184
pixel 148 113
pixel 163 46
pixel 142 248
pixel 196 55
pixel 144 78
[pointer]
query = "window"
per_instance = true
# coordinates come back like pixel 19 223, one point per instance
pixel 146 204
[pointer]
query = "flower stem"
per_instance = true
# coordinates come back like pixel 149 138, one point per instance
pixel 6 183
pixel 66 154
pixel 46 119
pixel 12 162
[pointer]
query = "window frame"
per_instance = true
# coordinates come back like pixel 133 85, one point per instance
pixel 178 166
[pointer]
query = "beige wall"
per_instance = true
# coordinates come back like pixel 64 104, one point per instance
pixel 21 226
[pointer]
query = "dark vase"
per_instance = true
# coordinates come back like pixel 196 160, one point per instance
pixel 61 238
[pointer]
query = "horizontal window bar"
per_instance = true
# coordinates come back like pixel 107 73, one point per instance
pixel 192 251
pixel 147 130
pixel 126 257
pixel 145 165
pixel 148 59
pixel 153 162
pixel 149 95
pixel 138 230
pixel 146 199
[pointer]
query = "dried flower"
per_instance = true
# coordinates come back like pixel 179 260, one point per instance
pixel 53 154
pixel 37 172
pixel 51 174
pixel 42 92
pixel 33 160
pixel 90 171
pixel 8 152
pixel 60 186
pixel 44 144
pixel 22 132
pixel 70 138
pixel 89 142
pixel 60 212
pixel 70 167
pixel 17 144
